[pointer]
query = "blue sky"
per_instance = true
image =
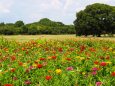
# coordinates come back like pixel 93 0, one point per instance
pixel 33 10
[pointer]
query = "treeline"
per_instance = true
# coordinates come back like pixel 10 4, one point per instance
pixel 44 26
pixel 95 19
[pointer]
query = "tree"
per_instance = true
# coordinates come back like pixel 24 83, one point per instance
pixel 96 19
pixel 24 30
pixel 19 23
pixel 32 30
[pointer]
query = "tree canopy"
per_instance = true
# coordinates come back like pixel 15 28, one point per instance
pixel 95 19
pixel 43 26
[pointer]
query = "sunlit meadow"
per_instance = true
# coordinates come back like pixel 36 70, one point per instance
pixel 70 62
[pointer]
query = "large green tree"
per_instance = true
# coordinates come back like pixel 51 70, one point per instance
pixel 96 19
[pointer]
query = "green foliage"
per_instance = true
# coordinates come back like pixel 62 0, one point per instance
pixel 32 30
pixel 19 23
pixel 96 19
pixel 44 26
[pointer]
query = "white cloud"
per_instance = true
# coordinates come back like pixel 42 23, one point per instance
pixel 5 6
pixel 33 10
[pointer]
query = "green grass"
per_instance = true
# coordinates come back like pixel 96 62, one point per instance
pixel 23 38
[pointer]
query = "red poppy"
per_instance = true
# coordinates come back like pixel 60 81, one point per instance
pixel 42 59
pixel 53 57
pixel 68 59
pixel 103 64
pixel 113 74
pixel 48 77
pixel 8 84
pixel 96 62
pixel 60 49
pixel 39 65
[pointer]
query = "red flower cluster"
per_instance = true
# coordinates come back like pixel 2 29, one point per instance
pixel 60 50
pixel 103 64
pixel 13 70
pixel 113 74
pixel 13 58
pixel 96 62
pixel 68 59
pixel 8 84
pixel 42 59
pixel 48 77
pixel 39 65
pixel 53 57
pixel 82 48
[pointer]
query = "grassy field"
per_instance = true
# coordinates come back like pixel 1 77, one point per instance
pixel 23 38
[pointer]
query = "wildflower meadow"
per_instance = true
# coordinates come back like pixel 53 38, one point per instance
pixel 57 63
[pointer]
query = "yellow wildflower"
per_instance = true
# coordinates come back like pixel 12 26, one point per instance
pixel 113 52
pixel 82 58
pixel 110 49
pixel 0 72
pixel 109 62
pixel 24 64
pixel 34 65
pixel 58 71
pixel 77 56
pixel 83 73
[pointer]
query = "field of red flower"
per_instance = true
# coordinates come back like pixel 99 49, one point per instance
pixel 57 63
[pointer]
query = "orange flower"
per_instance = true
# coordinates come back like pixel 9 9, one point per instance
pixel 23 48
